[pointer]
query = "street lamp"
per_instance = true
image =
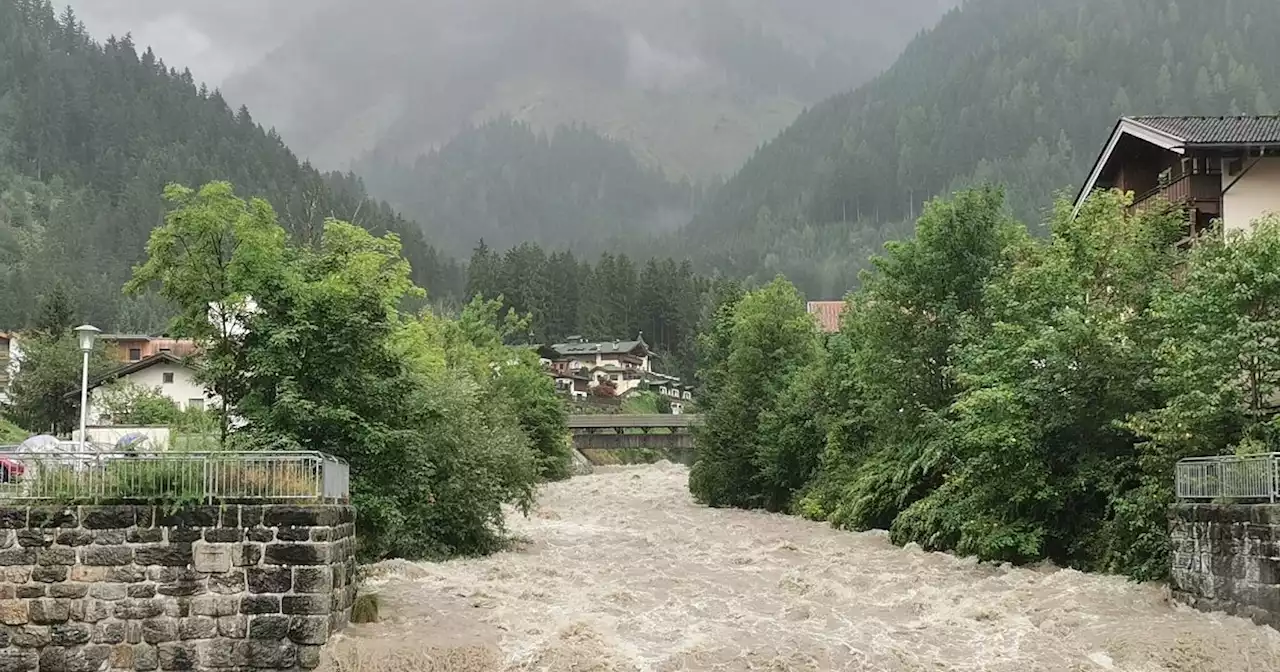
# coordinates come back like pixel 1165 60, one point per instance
pixel 86 333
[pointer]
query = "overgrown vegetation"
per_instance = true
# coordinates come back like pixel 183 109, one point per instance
pixel 998 395
pixel 313 348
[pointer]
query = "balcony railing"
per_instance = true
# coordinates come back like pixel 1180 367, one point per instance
pixel 173 477
pixel 1229 478
pixel 1180 192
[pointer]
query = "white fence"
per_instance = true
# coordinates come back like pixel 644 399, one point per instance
pixel 1229 477
pixel 71 476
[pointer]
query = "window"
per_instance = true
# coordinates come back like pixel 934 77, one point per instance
pixel 135 354
pixel 195 404
pixel 168 378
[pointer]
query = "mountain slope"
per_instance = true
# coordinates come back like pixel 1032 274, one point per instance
pixel 1021 92
pixel 694 87
pixel 505 184
pixel 90 134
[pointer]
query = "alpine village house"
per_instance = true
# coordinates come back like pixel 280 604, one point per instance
pixel 581 368
pixel 1223 169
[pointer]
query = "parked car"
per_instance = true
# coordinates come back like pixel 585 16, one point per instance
pixel 10 471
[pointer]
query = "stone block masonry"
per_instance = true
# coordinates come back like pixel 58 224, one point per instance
pixel 1226 557
pixel 234 587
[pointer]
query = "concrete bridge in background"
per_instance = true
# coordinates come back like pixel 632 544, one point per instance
pixel 633 432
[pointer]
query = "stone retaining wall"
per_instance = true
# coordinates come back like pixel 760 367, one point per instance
pixel 204 588
pixel 1227 558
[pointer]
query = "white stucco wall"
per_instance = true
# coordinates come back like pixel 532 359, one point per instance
pixel 1256 194
pixel 182 391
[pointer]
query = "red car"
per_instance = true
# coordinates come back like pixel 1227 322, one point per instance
pixel 10 471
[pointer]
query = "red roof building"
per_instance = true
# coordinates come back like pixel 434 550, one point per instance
pixel 828 314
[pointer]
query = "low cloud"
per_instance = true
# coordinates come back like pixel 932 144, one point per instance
pixel 652 67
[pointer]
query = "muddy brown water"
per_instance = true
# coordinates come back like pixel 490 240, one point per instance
pixel 621 571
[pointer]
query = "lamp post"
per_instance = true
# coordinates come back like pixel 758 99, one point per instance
pixel 86 333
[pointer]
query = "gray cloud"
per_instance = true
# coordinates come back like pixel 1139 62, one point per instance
pixel 214 39
pixel 651 67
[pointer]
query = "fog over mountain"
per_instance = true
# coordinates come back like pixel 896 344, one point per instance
pixel 692 87
pixel 214 40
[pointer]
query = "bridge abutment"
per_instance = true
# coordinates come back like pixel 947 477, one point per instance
pixel 1226 557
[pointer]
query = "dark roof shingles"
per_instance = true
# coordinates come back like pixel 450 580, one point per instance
pixel 1217 130
pixel 602 347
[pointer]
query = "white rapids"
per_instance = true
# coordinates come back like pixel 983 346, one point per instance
pixel 622 571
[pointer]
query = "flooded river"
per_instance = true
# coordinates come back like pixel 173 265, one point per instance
pixel 621 571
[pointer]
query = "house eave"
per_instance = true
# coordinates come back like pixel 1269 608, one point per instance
pixel 1130 127
pixel 128 369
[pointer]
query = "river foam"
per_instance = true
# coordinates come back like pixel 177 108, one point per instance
pixel 622 571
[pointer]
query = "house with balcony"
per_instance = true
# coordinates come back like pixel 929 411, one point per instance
pixel 1223 169
pixel 576 353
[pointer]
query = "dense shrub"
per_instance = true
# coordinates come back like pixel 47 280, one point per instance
pixel 756 350
pixel 441 423
pixel 1003 397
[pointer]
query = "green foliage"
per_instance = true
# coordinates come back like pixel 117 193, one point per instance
pixel 44 395
pixel 214 252
pixel 438 418
pixel 886 441
pixel 1005 397
pixel 1218 374
pixel 770 338
pixel 1060 358
pixel 12 434
pixel 517 381
pixel 126 403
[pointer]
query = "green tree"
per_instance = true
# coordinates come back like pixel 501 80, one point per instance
pixel 325 359
pixel 1218 372
pixel 770 336
pixel 517 382
pixel 213 254
pixel 902 327
pixel 1059 358
pixel 44 395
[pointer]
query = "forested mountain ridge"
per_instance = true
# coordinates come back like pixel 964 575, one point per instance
pixel 691 87
pixel 506 184
pixel 1018 92
pixel 89 135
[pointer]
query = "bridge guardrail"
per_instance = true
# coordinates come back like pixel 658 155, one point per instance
pixel 1229 477
pixel 607 421
pixel 173 476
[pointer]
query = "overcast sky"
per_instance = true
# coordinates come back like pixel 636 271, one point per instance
pixel 214 39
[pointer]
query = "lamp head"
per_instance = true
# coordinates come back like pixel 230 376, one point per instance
pixel 87 334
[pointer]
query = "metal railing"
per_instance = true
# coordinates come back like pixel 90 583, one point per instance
pixel 210 477
pixel 1229 477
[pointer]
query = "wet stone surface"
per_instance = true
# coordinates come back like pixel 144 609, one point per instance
pixel 118 588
